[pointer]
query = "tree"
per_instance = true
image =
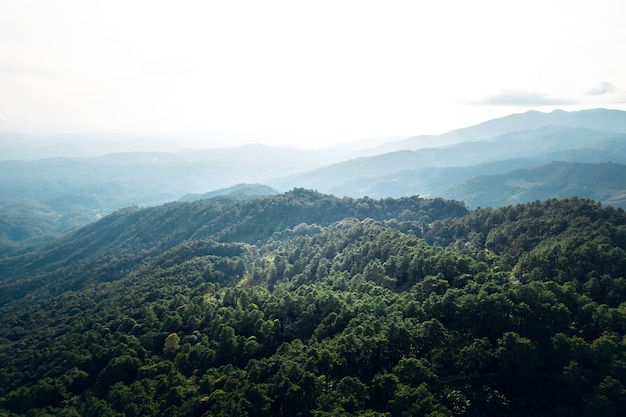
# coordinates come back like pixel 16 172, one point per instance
pixel 172 344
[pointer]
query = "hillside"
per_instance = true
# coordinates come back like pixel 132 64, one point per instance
pixel 307 304
pixel 602 182
pixel 127 237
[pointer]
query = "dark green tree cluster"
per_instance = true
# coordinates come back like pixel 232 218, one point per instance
pixel 515 311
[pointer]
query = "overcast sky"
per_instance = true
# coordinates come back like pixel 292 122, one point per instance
pixel 302 73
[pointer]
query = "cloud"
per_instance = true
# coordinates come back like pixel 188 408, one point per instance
pixel 521 98
pixel 604 87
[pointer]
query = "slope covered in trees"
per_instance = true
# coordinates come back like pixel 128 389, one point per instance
pixel 602 182
pixel 307 305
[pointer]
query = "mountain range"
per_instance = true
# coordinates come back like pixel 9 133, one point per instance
pixel 225 296
pixel 595 119
pixel 499 162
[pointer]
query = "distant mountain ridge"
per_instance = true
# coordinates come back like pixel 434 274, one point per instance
pixel 429 171
pixel 236 192
pixel 598 119
pixel 51 197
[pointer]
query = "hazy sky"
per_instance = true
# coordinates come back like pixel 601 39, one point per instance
pixel 302 73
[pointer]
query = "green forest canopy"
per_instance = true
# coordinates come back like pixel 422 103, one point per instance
pixel 307 305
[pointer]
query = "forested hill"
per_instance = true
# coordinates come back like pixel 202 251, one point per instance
pixel 107 249
pixel 308 305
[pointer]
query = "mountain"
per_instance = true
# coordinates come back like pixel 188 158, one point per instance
pixel 31 147
pixel 236 192
pixel 429 171
pixel 601 182
pixel 311 305
pixel 41 199
pixel 594 119
pixel 428 181
pixel 49 197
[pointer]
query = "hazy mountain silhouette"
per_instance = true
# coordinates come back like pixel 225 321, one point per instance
pixel 426 171
pixel 40 198
pixel 598 119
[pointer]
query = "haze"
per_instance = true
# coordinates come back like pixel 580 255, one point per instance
pixel 297 74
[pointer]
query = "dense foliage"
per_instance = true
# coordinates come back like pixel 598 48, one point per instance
pixel 308 305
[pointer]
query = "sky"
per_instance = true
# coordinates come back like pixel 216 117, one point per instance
pixel 301 73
